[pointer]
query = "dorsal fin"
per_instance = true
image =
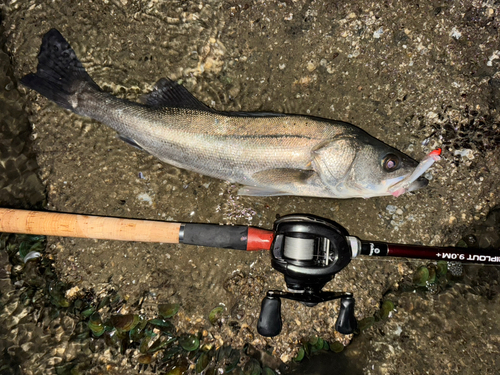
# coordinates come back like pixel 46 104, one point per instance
pixel 167 93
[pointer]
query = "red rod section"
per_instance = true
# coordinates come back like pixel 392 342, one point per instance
pixel 259 239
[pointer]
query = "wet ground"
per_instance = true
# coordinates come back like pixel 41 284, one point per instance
pixel 417 76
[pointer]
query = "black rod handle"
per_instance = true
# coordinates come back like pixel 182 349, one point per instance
pixel 238 237
pixel 222 236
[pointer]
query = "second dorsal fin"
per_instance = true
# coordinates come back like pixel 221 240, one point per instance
pixel 167 93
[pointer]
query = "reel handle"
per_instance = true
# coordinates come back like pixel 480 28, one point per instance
pixel 270 323
pixel 346 322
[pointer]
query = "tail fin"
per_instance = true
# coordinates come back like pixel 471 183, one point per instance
pixel 59 73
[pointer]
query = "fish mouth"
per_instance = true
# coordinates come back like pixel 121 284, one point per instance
pixel 419 183
pixel 415 180
pixel 398 187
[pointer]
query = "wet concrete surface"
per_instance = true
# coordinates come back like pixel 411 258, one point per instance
pixel 417 76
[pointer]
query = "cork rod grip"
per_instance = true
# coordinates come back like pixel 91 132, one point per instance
pixel 83 226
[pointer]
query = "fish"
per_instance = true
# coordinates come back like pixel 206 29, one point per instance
pixel 269 154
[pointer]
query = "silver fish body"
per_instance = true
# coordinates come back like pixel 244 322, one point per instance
pixel 268 153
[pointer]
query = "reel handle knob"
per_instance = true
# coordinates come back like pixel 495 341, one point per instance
pixel 346 322
pixel 270 324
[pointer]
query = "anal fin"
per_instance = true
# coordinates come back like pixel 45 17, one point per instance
pixel 256 191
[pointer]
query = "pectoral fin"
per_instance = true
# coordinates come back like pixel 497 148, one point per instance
pixel 130 141
pixel 282 176
pixel 274 182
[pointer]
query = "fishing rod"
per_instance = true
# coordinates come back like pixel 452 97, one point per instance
pixel 308 250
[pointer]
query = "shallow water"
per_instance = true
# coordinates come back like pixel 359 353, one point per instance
pixel 399 71
pixel 19 183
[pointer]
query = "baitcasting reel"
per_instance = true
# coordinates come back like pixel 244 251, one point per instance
pixel 308 251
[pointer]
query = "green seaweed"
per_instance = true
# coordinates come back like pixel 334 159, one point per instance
pixel 336 347
pixel 386 309
pixel 168 310
pixel 189 342
pixel 421 276
pixel 300 355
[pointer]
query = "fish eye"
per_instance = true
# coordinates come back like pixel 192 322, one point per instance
pixel 391 162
